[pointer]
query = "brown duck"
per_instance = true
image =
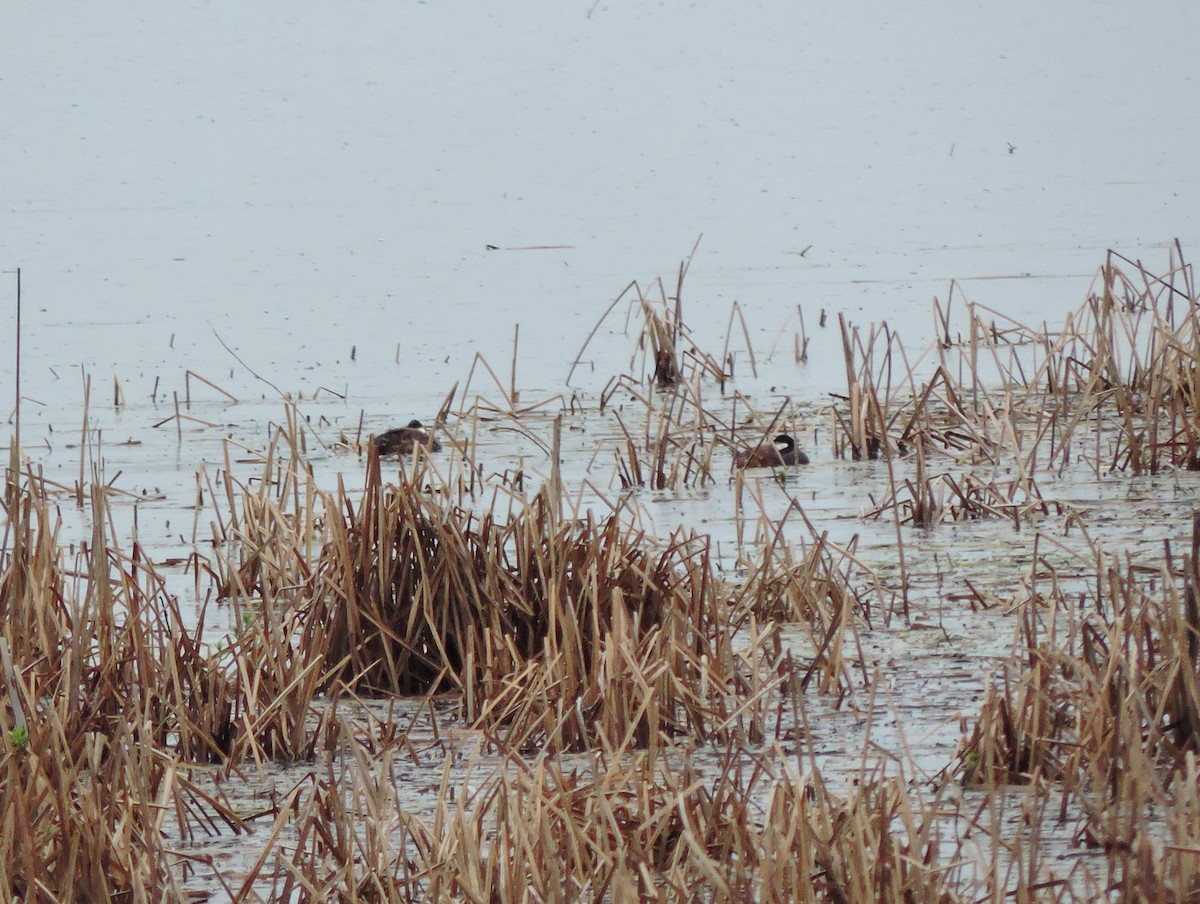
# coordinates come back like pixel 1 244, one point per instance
pixel 782 454
pixel 402 440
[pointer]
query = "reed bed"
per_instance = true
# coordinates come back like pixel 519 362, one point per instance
pixel 1123 367
pixel 113 628
pixel 1128 660
pixel 1103 704
pixel 1047 722
pixel 591 662
pixel 557 632
pixel 675 451
pixel 91 729
pixel 948 497
pixel 826 588
pixel 664 345
pixel 649 828
pixel 679 424
pixel 865 421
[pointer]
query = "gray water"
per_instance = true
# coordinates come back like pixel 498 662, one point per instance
pixel 307 180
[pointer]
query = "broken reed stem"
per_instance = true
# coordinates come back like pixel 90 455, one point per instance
pixel 512 380
pixel 802 350
pixel 83 438
pixel 17 373
pixel 556 483
pixel 480 361
pixel 856 430
pixel 902 560
pixel 735 312
pixel 250 369
pixel 10 674
pixel 1192 594
pixel 189 375
pixel 596 327
pixel 13 472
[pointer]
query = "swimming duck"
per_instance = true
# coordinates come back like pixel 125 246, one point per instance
pixel 402 440
pixel 782 454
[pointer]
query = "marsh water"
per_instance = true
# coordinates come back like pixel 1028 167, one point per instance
pixel 219 206
pixel 320 187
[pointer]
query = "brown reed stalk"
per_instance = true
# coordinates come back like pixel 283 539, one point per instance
pixel 1013 741
pixel 80 486
pixel 189 375
pixel 619 829
pixel 552 626
pixel 818 590
pixel 736 312
pixel 87 765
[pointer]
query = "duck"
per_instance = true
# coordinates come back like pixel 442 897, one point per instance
pixel 782 454
pixel 402 440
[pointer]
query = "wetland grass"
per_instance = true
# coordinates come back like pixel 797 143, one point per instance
pixel 646 828
pixel 675 449
pixel 556 631
pixel 90 768
pixel 1102 704
pixel 626 721
pixel 675 452
pixel 823 587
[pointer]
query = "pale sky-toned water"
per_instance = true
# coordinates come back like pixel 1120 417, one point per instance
pixel 308 178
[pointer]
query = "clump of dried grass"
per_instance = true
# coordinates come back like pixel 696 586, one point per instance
pixel 557 631
pixel 639 829
pixel 1021 729
pixel 827 588
pixel 947 498
pixel 85 811
pixel 88 723
pixel 864 423
pixel 1116 386
pixel 1132 352
pixel 664 343
pixel 675 451
pixel 674 447
pixel 1105 705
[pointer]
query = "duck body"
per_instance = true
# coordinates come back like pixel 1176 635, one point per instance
pixel 782 454
pixel 403 440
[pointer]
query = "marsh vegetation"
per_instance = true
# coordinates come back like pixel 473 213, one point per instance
pixel 457 681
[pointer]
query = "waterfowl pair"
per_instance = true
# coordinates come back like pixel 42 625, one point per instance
pixel 780 455
pixel 403 440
